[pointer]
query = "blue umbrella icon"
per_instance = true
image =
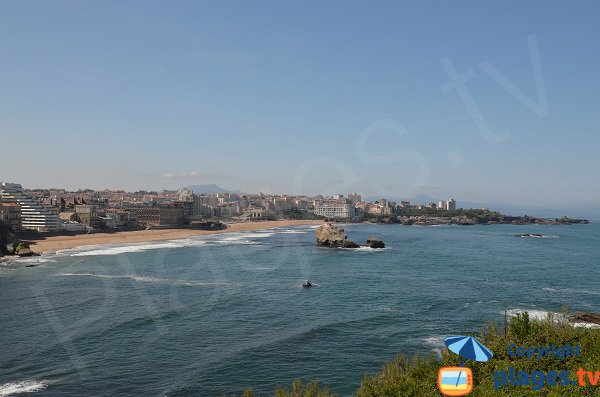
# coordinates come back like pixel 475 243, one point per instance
pixel 468 348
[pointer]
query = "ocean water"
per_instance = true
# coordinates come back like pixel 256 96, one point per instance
pixel 213 315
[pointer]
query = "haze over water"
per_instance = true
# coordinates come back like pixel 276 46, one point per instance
pixel 213 315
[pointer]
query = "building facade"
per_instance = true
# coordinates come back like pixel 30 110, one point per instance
pixel 451 205
pixel 34 215
pixel 10 214
pixel 335 208
pixel 159 215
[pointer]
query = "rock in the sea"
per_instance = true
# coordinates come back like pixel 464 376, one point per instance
pixel 21 249
pixel 586 317
pixel 11 248
pixel 329 235
pixel 375 243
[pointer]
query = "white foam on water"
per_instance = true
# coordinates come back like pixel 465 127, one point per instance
pixel 259 268
pixel 242 238
pixel 34 259
pixel 234 240
pixel 538 314
pixel 542 236
pixel 121 249
pixel 586 325
pixel 190 242
pixel 437 340
pixel 387 309
pixel 26 386
pixel 571 291
pixel 368 249
pixel 533 314
pixel 293 232
pixel 145 279
pixel 89 275
pixel 256 235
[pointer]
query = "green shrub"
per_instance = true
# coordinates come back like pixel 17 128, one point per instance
pixel 417 377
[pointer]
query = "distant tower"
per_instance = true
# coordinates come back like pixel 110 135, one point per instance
pixel 451 205
pixel 355 198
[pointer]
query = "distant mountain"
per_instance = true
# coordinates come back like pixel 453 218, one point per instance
pixel 211 188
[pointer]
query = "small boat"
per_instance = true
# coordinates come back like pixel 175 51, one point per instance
pixel 30 265
pixel 306 284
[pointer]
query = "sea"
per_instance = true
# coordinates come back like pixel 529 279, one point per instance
pixel 213 315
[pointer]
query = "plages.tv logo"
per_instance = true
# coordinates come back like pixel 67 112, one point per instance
pixel 458 381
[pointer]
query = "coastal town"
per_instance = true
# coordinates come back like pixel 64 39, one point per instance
pixel 58 211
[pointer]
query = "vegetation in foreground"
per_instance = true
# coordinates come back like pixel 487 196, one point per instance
pixel 417 377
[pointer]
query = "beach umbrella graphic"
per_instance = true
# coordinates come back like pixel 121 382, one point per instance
pixel 468 348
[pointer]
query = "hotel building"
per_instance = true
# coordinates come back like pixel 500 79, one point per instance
pixel 34 215
pixel 334 208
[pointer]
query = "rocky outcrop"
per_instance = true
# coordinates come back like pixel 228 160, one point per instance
pixel 329 235
pixel 586 317
pixel 375 243
pixel 20 249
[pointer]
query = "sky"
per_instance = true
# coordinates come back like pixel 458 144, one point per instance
pixel 493 102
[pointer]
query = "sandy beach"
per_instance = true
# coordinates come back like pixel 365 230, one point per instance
pixel 55 243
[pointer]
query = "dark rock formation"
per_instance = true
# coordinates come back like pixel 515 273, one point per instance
pixel 586 317
pixel 375 243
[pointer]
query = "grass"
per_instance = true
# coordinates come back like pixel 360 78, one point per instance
pixel 417 376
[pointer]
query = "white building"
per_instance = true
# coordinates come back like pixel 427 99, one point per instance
pixel 72 226
pixel 34 215
pixel 334 208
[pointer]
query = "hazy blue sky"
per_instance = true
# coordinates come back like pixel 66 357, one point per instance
pixel 305 97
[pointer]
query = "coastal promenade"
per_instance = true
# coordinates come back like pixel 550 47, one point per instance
pixel 55 243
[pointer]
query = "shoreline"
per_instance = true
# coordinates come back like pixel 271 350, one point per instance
pixel 56 243
pixel 52 244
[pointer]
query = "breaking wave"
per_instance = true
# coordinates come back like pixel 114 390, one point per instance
pixel 144 279
pixel 101 250
pixel 26 386
pixel 115 250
